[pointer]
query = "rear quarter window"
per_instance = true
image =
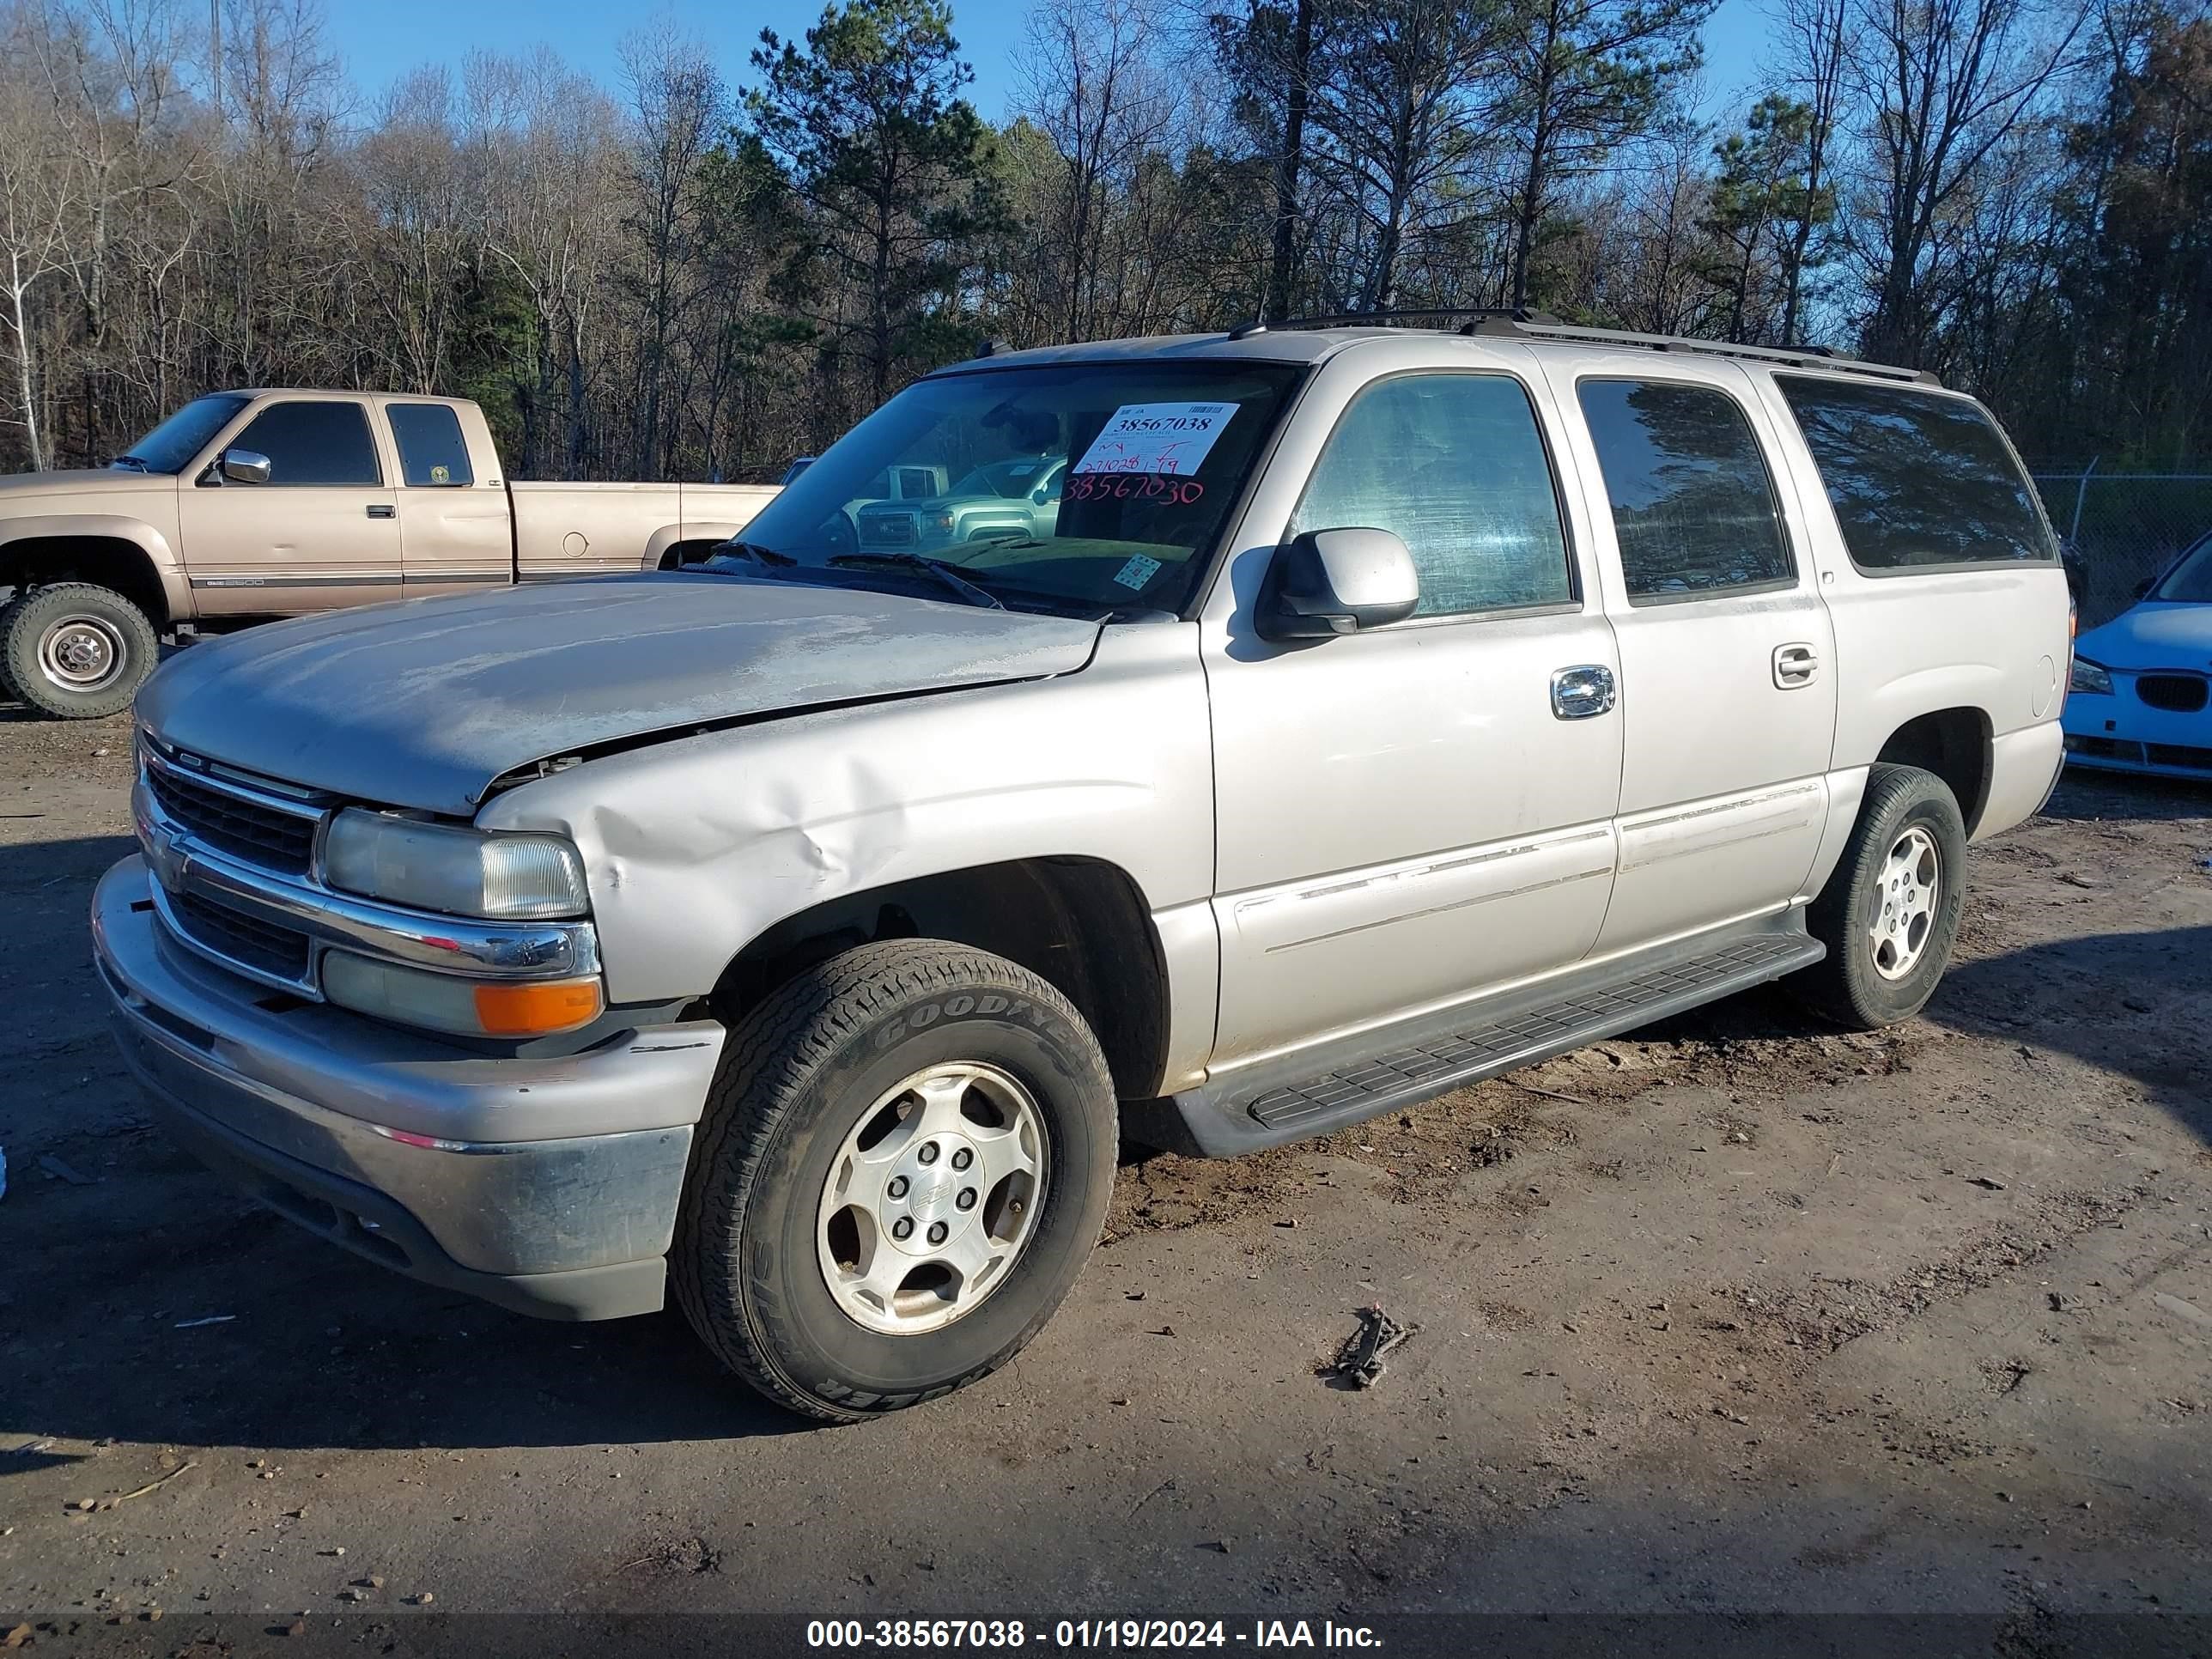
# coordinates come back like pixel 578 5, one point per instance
pixel 1917 479
pixel 431 452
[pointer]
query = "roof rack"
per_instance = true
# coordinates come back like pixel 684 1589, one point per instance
pixel 1796 356
pixel 1477 314
pixel 1519 322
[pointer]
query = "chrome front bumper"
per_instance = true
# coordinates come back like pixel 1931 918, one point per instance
pixel 546 1185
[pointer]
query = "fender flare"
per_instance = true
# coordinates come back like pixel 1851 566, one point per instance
pixel 169 568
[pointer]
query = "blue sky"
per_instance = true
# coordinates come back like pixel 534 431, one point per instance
pixel 383 40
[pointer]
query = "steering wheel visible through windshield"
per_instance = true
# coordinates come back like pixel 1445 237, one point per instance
pixel 1094 486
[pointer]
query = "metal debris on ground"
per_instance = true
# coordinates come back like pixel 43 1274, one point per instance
pixel 1359 1362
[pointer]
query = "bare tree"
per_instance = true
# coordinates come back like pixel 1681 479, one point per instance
pixel 1405 97
pixel 1588 77
pixel 1944 82
pixel 1094 86
pixel 677 110
pixel 40 194
pixel 1816 65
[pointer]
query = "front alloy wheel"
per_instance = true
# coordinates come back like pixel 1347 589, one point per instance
pixel 932 1198
pixel 903 1164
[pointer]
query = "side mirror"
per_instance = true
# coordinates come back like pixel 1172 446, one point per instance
pixel 1327 582
pixel 244 466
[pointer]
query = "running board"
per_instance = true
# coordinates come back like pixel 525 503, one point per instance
pixel 1317 1091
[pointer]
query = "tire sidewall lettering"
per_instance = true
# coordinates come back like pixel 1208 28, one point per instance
pixel 961 1005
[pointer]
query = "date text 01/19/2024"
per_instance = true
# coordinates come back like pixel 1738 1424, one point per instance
pixel 953 1634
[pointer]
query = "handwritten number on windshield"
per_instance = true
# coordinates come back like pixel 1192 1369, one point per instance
pixel 1127 486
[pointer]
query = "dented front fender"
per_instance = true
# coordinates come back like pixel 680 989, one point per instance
pixel 696 846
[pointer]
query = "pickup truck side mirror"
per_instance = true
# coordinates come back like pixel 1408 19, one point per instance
pixel 1327 582
pixel 244 466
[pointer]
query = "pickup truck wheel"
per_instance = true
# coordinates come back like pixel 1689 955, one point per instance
pixel 1890 911
pixel 903 1164
pixel 77 651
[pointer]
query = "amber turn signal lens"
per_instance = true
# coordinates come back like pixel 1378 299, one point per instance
pixel 538 1009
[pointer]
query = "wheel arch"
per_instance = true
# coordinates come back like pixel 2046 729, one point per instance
pixel 675 544
pixel 1080 923
pixel 121 554
pixel 1954 744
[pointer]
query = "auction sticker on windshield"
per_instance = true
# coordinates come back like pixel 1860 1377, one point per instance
pixel 1171 438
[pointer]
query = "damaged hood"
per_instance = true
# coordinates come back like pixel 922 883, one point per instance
pixel 423 704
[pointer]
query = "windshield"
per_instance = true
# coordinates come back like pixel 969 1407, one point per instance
pixel 173 445
pixel 1099 487
pixel 2189 582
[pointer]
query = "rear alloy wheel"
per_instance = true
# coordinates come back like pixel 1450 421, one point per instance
pixel 903 1164
pixel 1890 911
pixel 77 651
pixel 1908 889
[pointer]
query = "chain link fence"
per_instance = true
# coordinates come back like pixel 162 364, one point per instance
pixel 2121 529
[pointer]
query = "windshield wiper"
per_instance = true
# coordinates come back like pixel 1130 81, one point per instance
pixel 943 569
pixel 136 463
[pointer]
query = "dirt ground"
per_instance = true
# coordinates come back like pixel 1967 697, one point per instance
pixel 1740 1317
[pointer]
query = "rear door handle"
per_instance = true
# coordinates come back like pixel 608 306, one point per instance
pixel 1796 665
pixel 1582 691
pixel 380 511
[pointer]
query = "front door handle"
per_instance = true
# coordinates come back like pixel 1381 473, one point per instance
pixel 1582 691
pixel 1796 665
pixel 378 510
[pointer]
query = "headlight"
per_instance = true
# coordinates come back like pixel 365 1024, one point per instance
pixel 467 1007
pixel 462 873
pixel 2091 677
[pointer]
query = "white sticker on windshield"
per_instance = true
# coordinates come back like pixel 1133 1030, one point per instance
pixel 1139 571
pixel 1155 438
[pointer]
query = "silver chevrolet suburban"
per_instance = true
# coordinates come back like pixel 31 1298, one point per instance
pixel 1380 709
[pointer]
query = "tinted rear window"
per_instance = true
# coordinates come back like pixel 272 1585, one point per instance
pixel 1917 478
pixel 1692 506
pixel 431 453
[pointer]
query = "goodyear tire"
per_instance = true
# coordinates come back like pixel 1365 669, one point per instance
pixel 77 651
pixel 1889 914
pixel 903 1166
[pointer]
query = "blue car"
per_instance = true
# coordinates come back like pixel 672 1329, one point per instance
pixel 2142 683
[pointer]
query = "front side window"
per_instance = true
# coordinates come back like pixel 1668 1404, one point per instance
pixel 1090 487
pixel 1693 509
pixel 1916 477
pixel 313 443
pixel 1455 467
pixel 432 453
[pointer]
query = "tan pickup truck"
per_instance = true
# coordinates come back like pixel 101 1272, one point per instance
pixel 248 505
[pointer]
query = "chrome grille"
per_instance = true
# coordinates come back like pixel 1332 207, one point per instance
pixel 266 835
pixel 242 939
pixel 888 529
